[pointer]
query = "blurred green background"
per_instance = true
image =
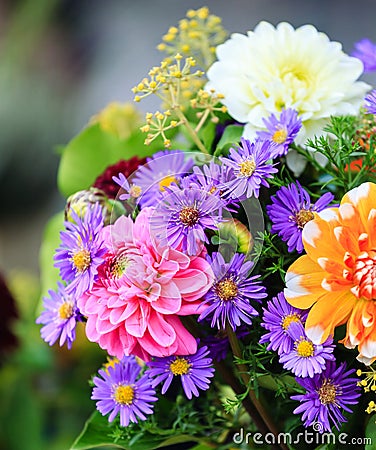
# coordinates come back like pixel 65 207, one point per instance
pixel 61 61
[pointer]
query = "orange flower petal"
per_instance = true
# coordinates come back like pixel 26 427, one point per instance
pixel 363 198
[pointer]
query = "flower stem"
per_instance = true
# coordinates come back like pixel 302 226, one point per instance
pixel 235 346
pixel 191 131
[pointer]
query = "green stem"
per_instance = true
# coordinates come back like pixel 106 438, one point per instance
pixel 191 131
pixel 235 346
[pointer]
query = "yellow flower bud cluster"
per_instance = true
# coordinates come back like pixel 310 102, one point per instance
pixel 157 124
pixel 368 383
pixel 198 35
pixel 209 102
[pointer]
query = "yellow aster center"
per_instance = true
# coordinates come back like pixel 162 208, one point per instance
pixel 81 260
pixel 289 319
pixel 189 216
pixel 166 181
pixel 226 289
pixel 247 167
pixel 65 310
pixel 279 136
pixel 304 348
pixel 180 366
pixel 124 394
pixel 327 392
pixel 135 191
pixel 303 216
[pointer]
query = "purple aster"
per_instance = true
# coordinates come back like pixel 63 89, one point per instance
pixel 81 250
pixel 219 344
pixel 120 392
pixel 251 166
pixel 327 395
pixel 229 298
pixel 161 170
pixel 195 371
pixel 277 318
pixel 181 217
pixel 370 102
pixel 281 131
pixel 306 359
pixel 290 210
pixel 365 50
pixel 59 317
pixel 130 191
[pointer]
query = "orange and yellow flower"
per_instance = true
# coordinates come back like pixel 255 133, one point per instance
pixel 336 279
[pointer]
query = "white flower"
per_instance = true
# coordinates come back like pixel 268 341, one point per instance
pixel 272 68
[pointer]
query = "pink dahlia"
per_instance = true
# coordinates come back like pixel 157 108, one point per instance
pixel 142 289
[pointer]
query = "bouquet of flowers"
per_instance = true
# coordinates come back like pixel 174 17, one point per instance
pixel 223 251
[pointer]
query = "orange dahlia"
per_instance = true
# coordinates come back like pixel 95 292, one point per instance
pixel 336 279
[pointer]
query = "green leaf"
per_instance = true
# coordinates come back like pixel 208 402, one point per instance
pixel 88 154
pixel 98 432
pixel 207 134
pixel 371 433
pixel 230 136
pixel 50 242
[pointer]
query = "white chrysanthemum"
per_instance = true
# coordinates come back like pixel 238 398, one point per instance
pixel 272 68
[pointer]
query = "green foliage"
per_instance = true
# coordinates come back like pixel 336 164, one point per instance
pixel 91 151
pixel 229 138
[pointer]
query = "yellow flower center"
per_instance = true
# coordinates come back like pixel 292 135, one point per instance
pixel 166 181
pixel 189 216
pixel 247 167
pixel 280 136
pixel 180 366
pixel 364 276
pixel 124 394
pixel 226 289
pixel 327 392
pixel 81 260
pixel 287 320
pixel 303 216
pixel 305 348
pixel 135 191
pixel 65 310
pixel 118 265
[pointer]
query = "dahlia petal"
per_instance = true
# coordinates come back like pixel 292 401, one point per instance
pixel 160 330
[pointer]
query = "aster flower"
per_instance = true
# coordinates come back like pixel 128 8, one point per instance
pixel 181 217
pixel 305 358
pixel 335 279
pixel 59 317
pixel 282 67
pixel 105 180
pixel 228 300
pixel 219 344
pixel 365 50
pixel 277 318
pixel 251 166
pixel 160 171
pixel 370 102
pixel 130 191
pixel 119 392
pixel 281 131
pixel 327 395
pixel 81 250
pixel 195 371
pixel 290 210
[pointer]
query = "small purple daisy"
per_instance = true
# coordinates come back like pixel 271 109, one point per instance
pixel 195 371
pixel 181 217
pixel 130 191
pixel 306 359
pixel 81 251
pixel 290 210
pixel 160 171
pixel 277 318
pixel 251 167
pixel 327 395
pixel 228 300
pixel 281 131
pixel 119 392
pixel 60 317
pixel 365 50
pixel 370 102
